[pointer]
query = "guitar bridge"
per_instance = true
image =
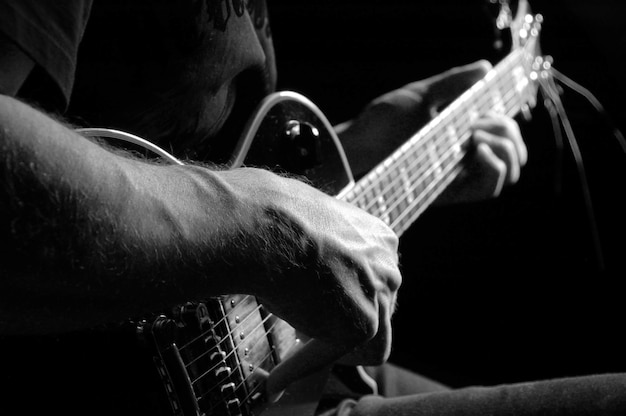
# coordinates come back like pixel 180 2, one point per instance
pixel 207 355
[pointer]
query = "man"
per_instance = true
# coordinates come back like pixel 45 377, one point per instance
pixel 91 236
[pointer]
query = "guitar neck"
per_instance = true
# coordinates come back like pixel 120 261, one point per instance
pixel 401 187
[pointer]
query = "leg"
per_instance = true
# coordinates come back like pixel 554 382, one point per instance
pixel 591 395
pixel 394 381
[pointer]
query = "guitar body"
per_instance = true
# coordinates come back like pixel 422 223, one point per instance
pixel 288 133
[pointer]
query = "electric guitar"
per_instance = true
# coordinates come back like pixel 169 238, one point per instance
pixel 212 357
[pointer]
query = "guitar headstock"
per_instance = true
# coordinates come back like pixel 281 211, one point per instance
pixel 516 17
pixel 524 28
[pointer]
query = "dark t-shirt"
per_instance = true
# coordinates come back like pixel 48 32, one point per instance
pixel 184 74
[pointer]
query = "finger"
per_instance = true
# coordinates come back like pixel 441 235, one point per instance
pixel 445 87
pixel 504 126
pixel 377 350
pixel 502 149
pixel 492 168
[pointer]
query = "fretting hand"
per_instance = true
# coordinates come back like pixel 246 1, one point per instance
pixel 388 121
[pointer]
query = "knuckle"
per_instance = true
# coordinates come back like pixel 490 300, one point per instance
pixel 508 146
pixel 500 168
pixel 395 282
pixel 484 65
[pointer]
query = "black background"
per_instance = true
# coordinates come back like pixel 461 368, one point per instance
pixel 516 288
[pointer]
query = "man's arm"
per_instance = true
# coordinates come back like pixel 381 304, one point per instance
pixel 82 225
pixel 90 236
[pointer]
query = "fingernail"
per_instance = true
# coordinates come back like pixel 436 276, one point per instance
pixel 273 398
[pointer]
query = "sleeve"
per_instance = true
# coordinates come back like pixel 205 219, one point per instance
pixel 50 33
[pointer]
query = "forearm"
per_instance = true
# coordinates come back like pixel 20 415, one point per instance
pixel 84 226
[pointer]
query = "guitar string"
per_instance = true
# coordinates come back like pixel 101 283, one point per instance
pixel 219 383
pixel 230 354
pixel 223 320
pixel 416 177
pixel 187 344
pixel 210 351
pixel 402 159
pixel 252 391
pixel 243 378
pixel 256 387
pixel 228 334
pixel 234 351
pixel 236 348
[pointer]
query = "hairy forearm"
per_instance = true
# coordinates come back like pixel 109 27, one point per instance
pixel 90 236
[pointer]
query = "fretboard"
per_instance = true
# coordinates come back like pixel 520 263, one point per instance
pixel 401 187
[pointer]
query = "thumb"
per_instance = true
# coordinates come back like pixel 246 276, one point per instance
pixel 443 88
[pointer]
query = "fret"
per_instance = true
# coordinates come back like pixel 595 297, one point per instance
pixel 409 191
pixel 453 139
pixel 364 195
pixel 356 196
pixel 473 113
pixel 396 198
pixel 382 209
pixel 521 80
pixel 497 102
pixel 379 202
pixel 434 158
pixel 418 184
pixel 398 208
pixel 371 197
